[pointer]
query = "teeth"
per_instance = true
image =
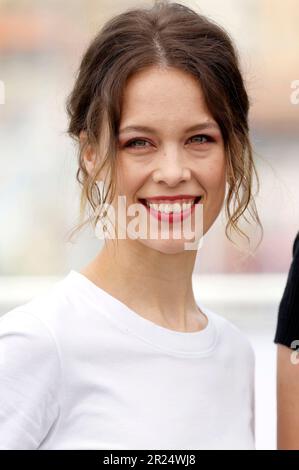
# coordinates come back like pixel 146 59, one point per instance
pixel 167 208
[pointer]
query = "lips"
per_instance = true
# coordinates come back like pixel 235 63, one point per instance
pixel 170 201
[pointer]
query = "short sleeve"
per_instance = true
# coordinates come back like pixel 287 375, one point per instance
pixel 30 377
pixel 287 328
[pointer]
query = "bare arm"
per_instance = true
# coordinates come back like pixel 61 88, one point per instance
pixel 287 398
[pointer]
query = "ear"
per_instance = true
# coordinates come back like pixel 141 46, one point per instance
pixel 88 155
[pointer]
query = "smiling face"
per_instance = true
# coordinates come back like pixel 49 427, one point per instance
pixel 170 159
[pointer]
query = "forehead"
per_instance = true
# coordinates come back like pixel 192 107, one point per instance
pixel 163 95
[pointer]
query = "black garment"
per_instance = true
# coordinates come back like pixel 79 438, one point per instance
pixel 287 329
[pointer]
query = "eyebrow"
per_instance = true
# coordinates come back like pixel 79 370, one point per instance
pixel 196 127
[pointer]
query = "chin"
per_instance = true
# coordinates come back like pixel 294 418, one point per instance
pixel 168 247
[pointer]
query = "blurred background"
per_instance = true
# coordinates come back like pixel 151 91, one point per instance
pixel 41 44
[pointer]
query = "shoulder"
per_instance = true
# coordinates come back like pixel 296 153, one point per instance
pixel 232 338
pixel 44 312
pixel 26 341
pixel 61 316
pixel 29 332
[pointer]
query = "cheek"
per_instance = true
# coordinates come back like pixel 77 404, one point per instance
pixel 215 176
pixel 128 179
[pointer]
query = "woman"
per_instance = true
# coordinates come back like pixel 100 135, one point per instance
pixel 287 340
pixel 120 355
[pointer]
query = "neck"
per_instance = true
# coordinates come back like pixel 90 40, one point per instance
pixel 154 284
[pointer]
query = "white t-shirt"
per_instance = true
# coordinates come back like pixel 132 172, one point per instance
pixel 80 370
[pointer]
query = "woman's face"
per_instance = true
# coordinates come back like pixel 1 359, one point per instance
pixel 169 159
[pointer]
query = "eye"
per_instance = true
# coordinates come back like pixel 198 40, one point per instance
pixel 207 137
pixel 129 144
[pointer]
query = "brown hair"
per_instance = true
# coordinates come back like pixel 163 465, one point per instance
pixel 167 34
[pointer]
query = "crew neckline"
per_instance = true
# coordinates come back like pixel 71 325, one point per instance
pixel 192 342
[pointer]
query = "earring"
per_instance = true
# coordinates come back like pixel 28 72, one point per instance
pixel 100 230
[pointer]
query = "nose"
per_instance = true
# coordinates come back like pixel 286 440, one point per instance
pixel 171 168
